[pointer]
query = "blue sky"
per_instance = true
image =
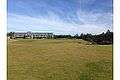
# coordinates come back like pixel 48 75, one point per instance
pixel 60 16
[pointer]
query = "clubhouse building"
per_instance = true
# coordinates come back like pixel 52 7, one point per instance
pixel 32 35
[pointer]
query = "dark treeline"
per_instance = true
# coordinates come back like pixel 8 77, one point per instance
pixel 104 38
pixel 63 36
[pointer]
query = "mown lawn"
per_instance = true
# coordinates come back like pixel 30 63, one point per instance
pixel 62 59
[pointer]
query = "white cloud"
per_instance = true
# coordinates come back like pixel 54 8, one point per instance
pixel 92 23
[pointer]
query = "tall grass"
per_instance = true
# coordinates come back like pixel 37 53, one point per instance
pixel 51 59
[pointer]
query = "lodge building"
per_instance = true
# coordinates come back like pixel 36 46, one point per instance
pixel 32 35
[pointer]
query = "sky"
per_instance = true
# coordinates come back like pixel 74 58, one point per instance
pixel 60 16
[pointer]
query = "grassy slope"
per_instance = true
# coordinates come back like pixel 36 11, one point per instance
pixel 58 60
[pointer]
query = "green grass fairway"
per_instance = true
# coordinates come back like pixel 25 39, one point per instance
pixel 62 59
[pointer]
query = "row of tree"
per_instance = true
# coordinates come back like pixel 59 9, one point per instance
pixel 104 38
